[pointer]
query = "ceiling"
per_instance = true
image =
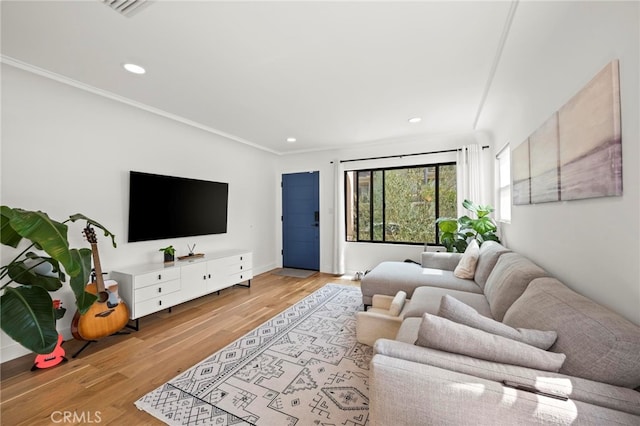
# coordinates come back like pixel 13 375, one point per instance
pixel 330 74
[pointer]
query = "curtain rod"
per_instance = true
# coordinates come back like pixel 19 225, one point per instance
pixel 405 155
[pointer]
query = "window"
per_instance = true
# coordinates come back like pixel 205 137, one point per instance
pixel 503 179
pixel 399 205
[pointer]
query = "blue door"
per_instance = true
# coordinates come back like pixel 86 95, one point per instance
pixel 301 221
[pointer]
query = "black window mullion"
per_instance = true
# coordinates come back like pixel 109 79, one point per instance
pixel 357 192
pixel 437 209
pixel 371 217
pixel 384 208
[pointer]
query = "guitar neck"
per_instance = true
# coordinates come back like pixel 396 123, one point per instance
pixel 97 267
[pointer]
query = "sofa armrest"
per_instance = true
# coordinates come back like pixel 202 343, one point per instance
pixel 371 326
pixel 381 301
pixel 438 396
pixel 575 388
pixel 445 261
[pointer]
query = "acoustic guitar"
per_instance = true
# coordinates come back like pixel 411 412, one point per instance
pixel 108 314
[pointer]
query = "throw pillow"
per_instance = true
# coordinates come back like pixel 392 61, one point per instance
pixel 456 311
pixel 440 333
pixel 467 266
pixel 397 303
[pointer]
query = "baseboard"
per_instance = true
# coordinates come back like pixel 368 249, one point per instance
pixel 15 350
pixel 257 270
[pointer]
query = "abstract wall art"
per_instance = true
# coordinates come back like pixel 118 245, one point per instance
pixel 577 152
pixel 590 139
pixel 543 150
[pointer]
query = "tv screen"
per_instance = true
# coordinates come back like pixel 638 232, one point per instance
pixel 163 207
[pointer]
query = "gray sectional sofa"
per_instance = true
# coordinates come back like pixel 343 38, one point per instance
pixel 458 375
pixel 436 271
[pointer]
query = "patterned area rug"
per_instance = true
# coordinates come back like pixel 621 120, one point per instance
pixel 302 367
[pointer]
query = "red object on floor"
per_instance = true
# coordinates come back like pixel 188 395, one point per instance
pixel 52 359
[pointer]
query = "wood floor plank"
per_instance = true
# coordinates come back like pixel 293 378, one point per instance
pixel 105 380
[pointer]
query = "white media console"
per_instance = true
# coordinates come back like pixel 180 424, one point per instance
pixel 152 287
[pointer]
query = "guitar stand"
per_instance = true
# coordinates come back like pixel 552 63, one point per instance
pixel 35 366
pixel 119 333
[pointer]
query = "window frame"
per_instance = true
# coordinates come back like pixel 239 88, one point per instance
pixel 356 196
pixel 499 187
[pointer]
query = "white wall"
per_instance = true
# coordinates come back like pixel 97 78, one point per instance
pixel 65 151
pixel 591 245
pixel 364 256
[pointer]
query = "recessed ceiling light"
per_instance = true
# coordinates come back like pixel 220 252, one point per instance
pixel 291 140
pixel 415 120
pixel 133 68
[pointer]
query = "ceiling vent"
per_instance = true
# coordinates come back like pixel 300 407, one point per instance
pixel 127 7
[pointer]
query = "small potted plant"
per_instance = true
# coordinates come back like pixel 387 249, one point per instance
pixel 169 253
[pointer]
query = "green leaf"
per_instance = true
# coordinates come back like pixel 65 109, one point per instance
pixel 47 234
pixel 461 246
pixel 78 283
pixel 8 235
pixel 484 225
pixel 447 225
pixel 490 236
pixel 49 266
pixel 107 233
pixel 25 274
pixel 483 211
pixel 470 205
pixel 465 221
pixel 26 315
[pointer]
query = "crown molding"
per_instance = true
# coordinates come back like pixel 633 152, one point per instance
pixel 109 95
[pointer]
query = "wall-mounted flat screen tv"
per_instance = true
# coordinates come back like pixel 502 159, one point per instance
pixel 162 207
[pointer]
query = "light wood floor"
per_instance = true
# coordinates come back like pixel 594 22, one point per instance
pixel 102 383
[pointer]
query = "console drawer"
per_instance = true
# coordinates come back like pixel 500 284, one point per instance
pixel 142 294
pixel 154 305
pixel 151 278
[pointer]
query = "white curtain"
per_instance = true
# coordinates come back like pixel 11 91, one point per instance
pixel 338 218
pixel 471 183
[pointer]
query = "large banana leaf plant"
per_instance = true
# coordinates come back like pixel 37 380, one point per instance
pixel 455 234
pixel 27 311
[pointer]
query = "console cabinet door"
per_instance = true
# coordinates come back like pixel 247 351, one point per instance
pixel 194 280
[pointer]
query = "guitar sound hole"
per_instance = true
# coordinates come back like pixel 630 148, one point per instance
pixel 103 296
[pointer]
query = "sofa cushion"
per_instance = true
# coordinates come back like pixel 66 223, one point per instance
pixel 578 389
pixel 456 311
pixel 427 299
pixel 390 277
pixel 408 332
pixel 508 280
pixel 467 266
pixel 440 333
pixel 490 251
pixel 441 260
pixel 599 344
